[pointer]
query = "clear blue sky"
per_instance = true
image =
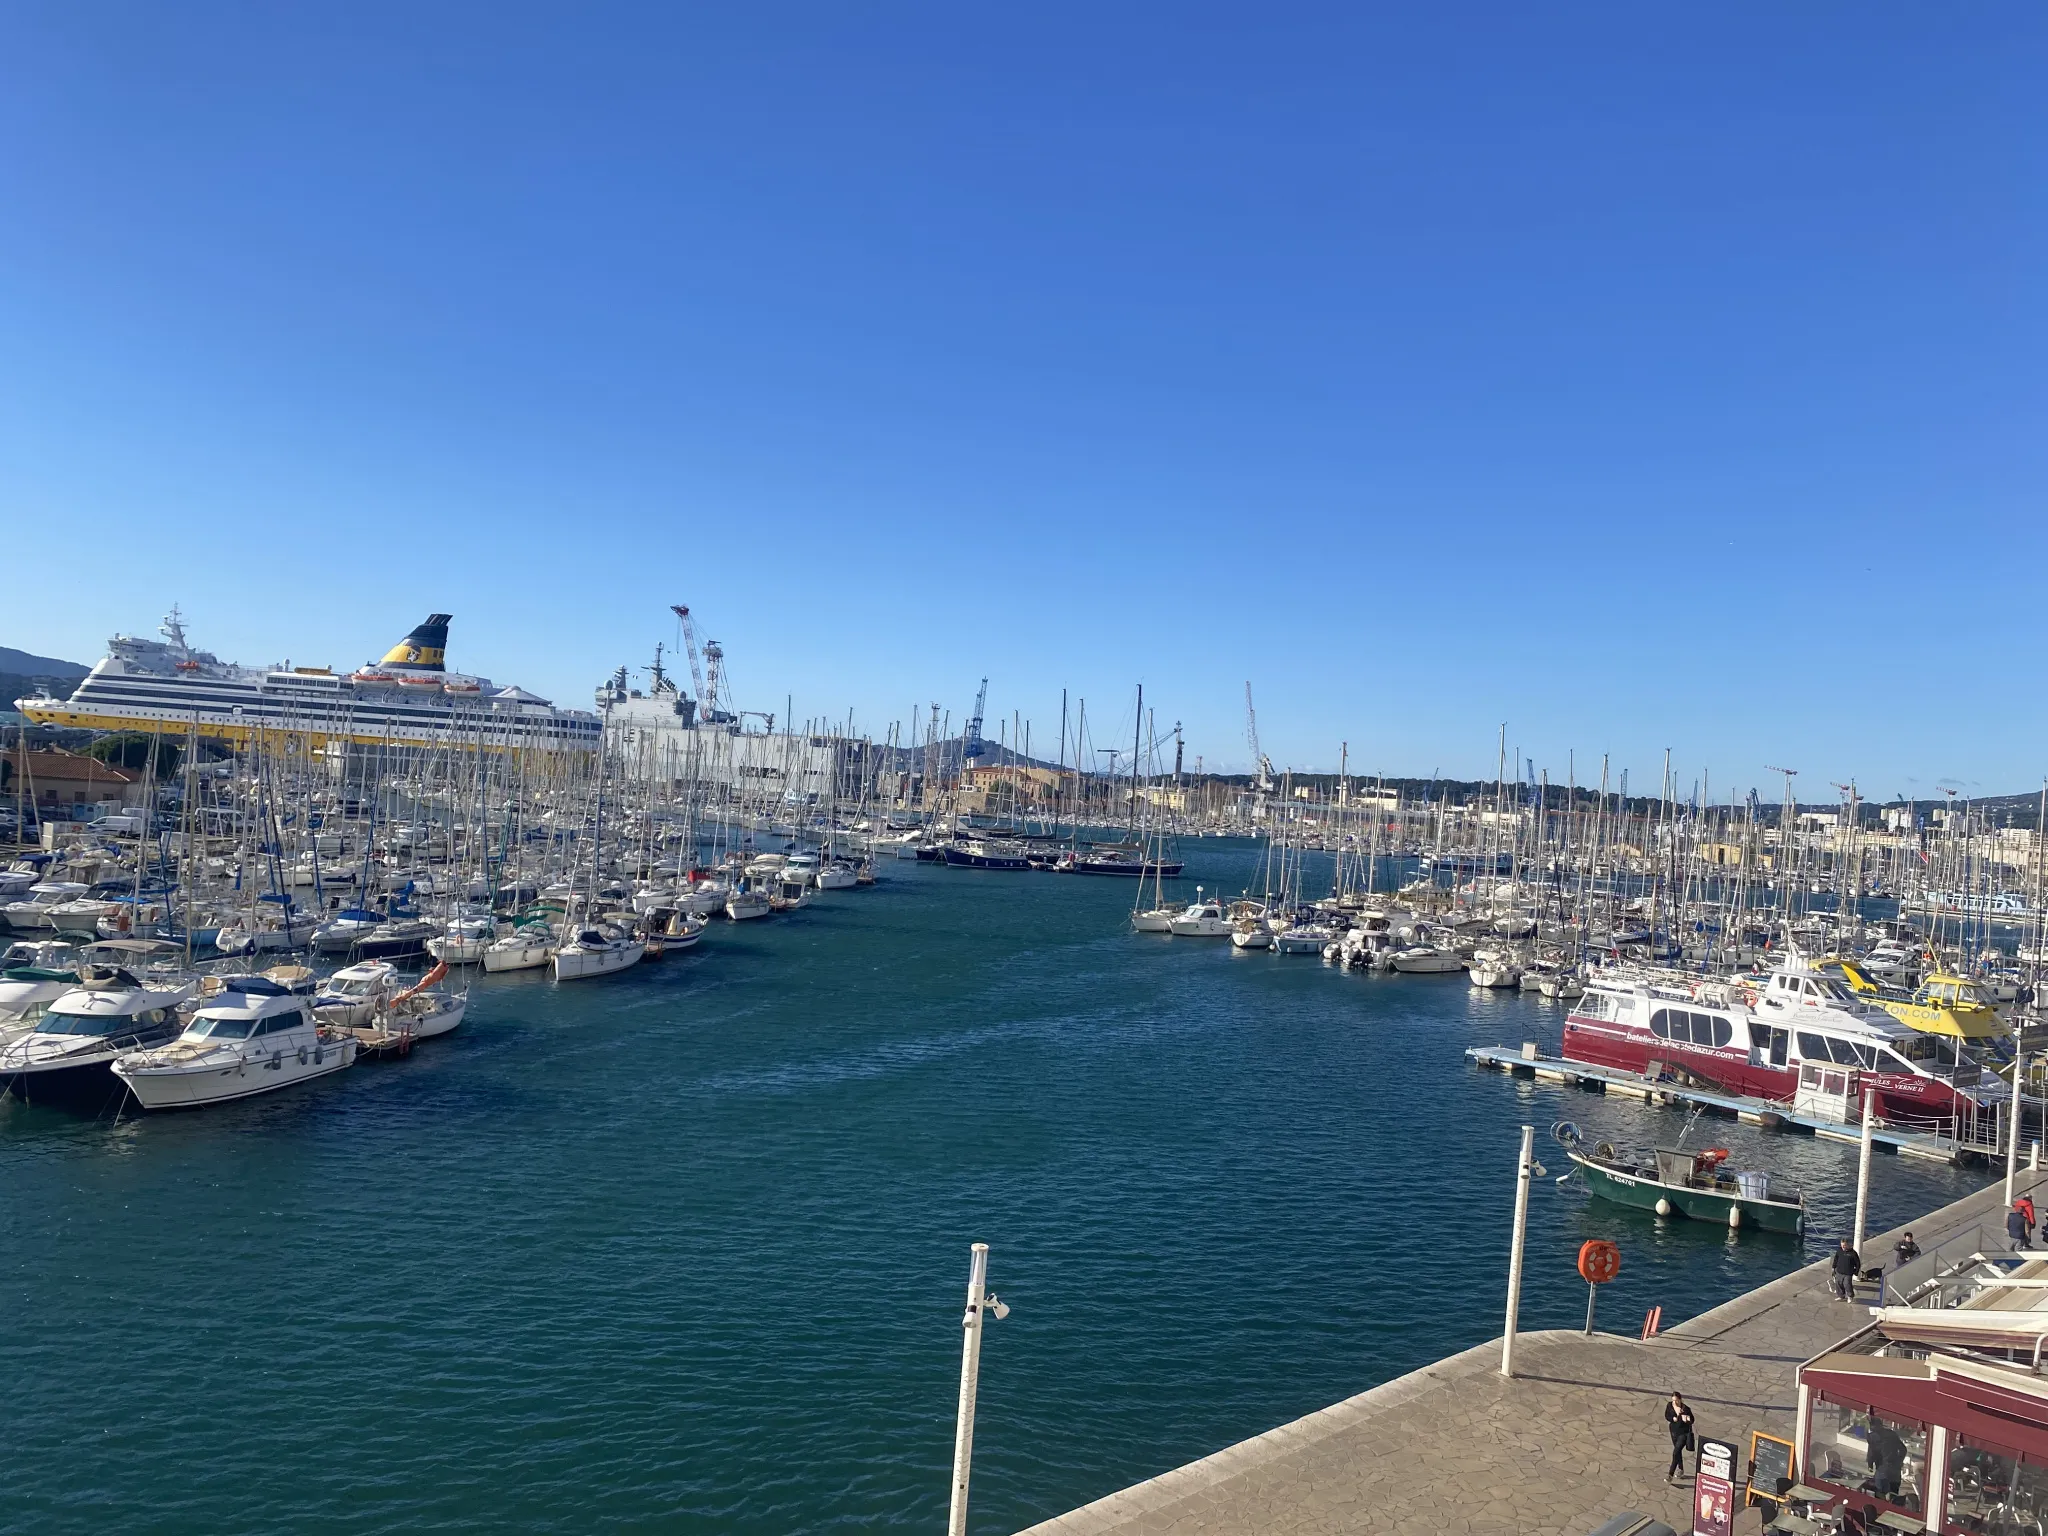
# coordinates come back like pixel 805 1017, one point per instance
pixel 1640 378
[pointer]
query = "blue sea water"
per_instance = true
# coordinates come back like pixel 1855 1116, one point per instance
pixel 686 1249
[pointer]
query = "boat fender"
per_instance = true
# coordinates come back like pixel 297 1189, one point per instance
pixel 276 1060
pixel 302 1055
pixel 319 1054
pixel 1663 1206
pixel 1734 1217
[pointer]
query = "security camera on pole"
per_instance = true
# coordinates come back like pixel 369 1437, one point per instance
pixel 978 1301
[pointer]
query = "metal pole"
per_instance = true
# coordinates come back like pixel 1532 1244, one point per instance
pixel 2012 1148
pixel 1507 1342
pixel 970 1374
pixel 1592 1293
pixel 1863 1167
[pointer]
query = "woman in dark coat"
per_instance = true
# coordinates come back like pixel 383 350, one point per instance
pixel 1678 1419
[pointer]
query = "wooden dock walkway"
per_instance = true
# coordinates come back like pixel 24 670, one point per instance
pixel 1606 1080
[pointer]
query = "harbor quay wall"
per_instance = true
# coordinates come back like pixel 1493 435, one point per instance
pixel 1456 1449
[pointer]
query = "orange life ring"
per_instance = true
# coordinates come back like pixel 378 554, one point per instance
pixel 1599 1261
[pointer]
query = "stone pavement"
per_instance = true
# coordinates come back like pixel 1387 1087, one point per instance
pixel 1578 1436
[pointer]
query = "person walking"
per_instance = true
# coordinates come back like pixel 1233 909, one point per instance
pixel 2016 1227
pixel 1843 1269
pixel 2026 1205
pixel 1678 1419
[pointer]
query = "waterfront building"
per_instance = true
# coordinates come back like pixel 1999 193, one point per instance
pixel 1936 1415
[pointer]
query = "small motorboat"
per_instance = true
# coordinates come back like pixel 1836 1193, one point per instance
pixel 1675 1182
pixel 1200 919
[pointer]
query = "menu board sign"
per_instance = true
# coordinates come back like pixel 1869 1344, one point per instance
pixel 1770 1467
pixel 1713 1497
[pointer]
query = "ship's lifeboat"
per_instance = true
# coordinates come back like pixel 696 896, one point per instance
pixel 371 675
pixel 419 682
pixel 462 685
pixel 188 666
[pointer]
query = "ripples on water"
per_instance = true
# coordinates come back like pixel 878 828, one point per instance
pixel 687 1248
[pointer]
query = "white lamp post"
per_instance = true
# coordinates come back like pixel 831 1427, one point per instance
pixel 970 1375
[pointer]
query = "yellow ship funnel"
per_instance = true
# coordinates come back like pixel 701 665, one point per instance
pixel 425 648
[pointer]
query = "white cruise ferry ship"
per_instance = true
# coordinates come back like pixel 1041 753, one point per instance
pixel 408 699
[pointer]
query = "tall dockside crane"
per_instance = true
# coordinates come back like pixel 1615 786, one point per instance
pixel 690 644
pixel 972 746
pixel 1261 764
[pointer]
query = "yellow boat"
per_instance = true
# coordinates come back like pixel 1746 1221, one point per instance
pixel 1944 1004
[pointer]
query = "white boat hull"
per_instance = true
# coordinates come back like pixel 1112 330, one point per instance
pixel 195 1087
pixel 518 957
pixel 1427 964
pixel 575 963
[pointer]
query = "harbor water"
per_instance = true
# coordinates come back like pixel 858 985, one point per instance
pixel 686 1248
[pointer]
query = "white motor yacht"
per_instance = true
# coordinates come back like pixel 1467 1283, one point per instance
pixel 44 897
pixel 525 948
pixel 354 993
pixel 254 1038
pixel 596 952
pixel 20 877
pixel 67 1057
pixel 81 916
pixel 1428 960
pixel 33 975
pixel 1200 919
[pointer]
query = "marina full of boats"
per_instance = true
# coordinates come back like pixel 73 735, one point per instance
pixel 1685 965
pixel 410 817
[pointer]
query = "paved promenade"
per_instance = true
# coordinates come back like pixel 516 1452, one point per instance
pixel 1576 1437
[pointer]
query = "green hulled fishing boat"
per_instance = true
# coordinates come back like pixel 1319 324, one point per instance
pixel 1674 1182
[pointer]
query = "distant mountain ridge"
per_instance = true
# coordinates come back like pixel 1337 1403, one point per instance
pixel 27 664
pixel 21 671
